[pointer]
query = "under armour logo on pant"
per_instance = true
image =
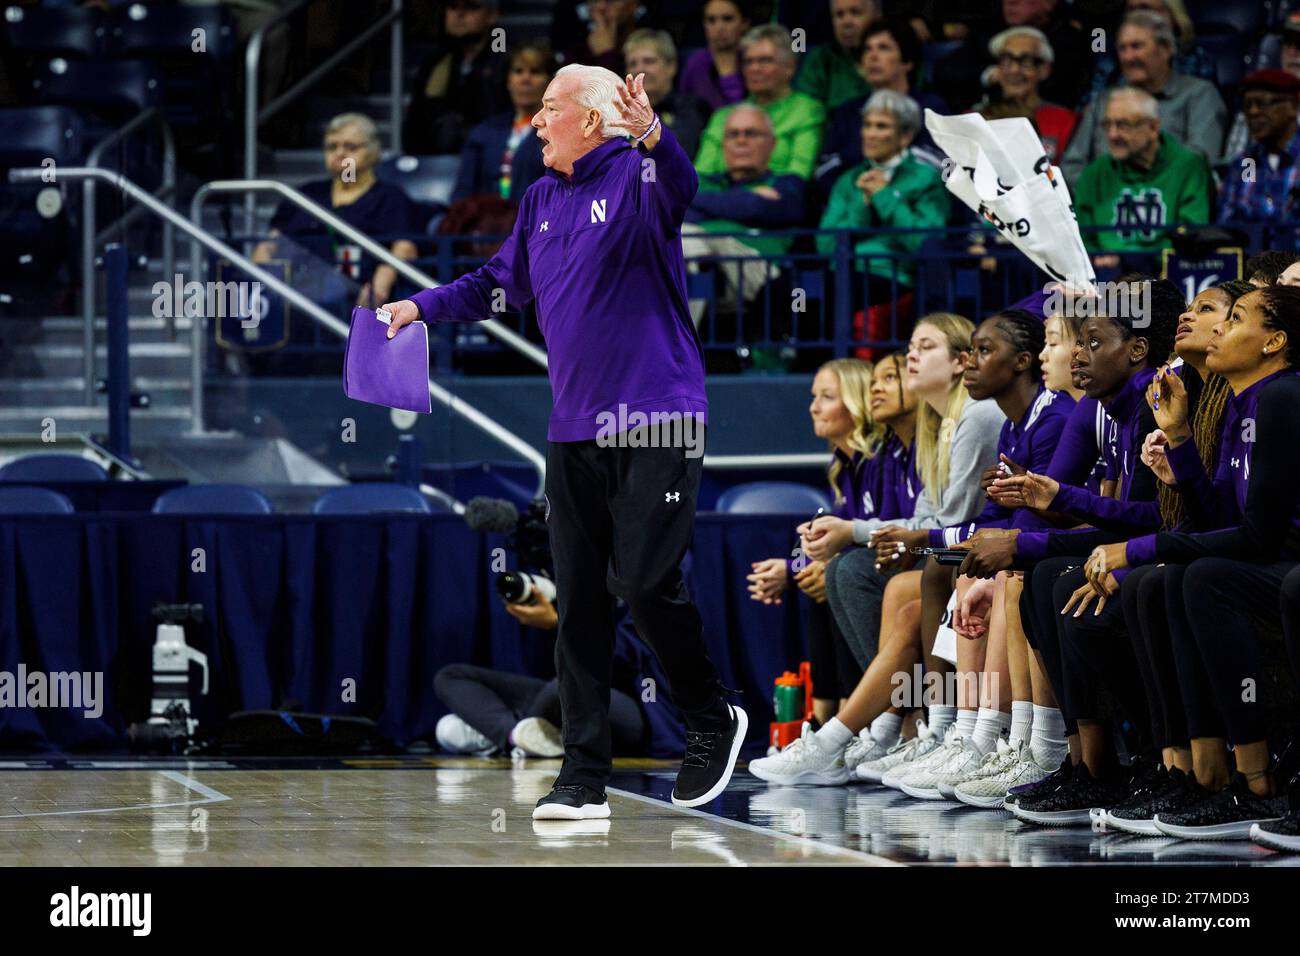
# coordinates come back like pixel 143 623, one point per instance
pixel 672 496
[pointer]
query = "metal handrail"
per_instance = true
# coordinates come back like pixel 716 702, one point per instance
pixel 494 327
pixel 199 236
pixel 89 237
pixel 253 118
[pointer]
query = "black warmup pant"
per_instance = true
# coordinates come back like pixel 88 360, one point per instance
pixel 1152 596
pixel 1042 623
pixel 1225 601
pixel 636 507
pixel 835 671
pixel 1291 620
pixel 492 702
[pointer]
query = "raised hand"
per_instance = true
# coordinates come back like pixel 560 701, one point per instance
pixel 1167 397
pixel 1155 458
pixel 634 109
pixel 1025 490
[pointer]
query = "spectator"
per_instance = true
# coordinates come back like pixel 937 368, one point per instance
pixel 1263 183
pixel 713 74
pixel 653 53
pixel 1268 267
pixel 503 155
pixel 1239 136
pixel 1148 183
pixel 889 189
pixel 957 76
pixel 1023 59
pixel 356 196
pixel 1190 58
pixel 746 195
pixel 612 22
pixel 767 59
pixel 464 82
pixel 1191 110
pixel 832 72
pixel 890 58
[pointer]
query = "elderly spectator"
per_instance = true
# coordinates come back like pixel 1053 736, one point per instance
pixel 1022 62
pixel 1191 59
pixel 890 58
pixel 832 72
pixel 653 53
pixel 1239 136
pixel 1191 110
pixel 746 195
pixel 713 74
pixel 354 195
pixel 889 189
pixel 1260 185
pixel 463 82
pixel 503 155
pixel 768 61
pixel 1146 185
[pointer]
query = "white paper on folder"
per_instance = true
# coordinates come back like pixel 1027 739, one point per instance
pixel 1000 170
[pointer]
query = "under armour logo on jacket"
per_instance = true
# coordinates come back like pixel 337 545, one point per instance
pixel 544 226
pixel 598 210
pixel 672 496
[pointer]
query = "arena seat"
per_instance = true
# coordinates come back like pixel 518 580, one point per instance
pixel 66 31
pixel 426 180
pixel 117 89
pixel 369 498
pixel 213 499
pixel 1233 55
pixel 1246 18
pixel 773 497
pixel 29 134
pixel 27 500
pixel 52 468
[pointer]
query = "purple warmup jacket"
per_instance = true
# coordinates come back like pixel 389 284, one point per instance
pixel 1221 501
pixel 1136 510
pixel 1030 442
pixel 601 253
pixel 1079 458
pixel 899 483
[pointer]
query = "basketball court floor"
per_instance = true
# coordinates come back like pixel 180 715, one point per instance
pixel 429 810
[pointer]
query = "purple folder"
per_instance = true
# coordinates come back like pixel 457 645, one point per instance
pixel 392 372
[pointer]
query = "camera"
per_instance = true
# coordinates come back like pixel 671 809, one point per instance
pixel 527 535
pixel 517 587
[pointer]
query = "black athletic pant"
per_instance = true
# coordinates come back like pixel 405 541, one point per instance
pixel 492 702
pixel 835 671
pixel 1291 620
pixel 635 506
pixel 1041 621
pixel 1151 596
pixel 1225 600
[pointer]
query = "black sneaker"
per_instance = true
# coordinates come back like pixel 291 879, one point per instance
pixel 1052 781
pixel 710 758
pixel 1134 815
pixel 1071 804
pixel 572 802
pixel 1281 834
pixel 1226 815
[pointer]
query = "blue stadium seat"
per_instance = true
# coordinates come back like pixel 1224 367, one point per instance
pixel 119 89
pixel 67 31
pixel 26 500
pixel 773 497
pixel 1269 54
pixel 425 179
pixel 140 30
pixel 1247 18
pixel 1233 55
pixel 29 134
pixel 52 468
pixel 370 497
pixel 212 499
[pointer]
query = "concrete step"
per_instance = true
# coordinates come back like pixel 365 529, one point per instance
pixel 158 359
pixel 69 390
pixel 69 420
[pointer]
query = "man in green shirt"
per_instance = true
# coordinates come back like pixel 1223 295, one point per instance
pixel 1147 184
pixel 831 72
pixel 768 63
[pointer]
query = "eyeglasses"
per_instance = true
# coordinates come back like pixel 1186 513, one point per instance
pixel 1026 62
pixel 734 134
pixel 1127 125
pixel 346 147
pixel 1251 103
pixel 760 60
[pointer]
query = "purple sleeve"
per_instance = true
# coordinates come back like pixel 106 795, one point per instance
pixel 1076 450
pixel 1209 503
pixel 1130 517
pixel 472 297
pixel 1140 551
pixel 1031 545
pixel 667 187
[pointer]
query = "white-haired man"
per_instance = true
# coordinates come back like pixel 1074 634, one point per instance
pixel 597 245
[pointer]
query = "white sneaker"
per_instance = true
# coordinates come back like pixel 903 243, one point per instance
pixel 537 737
pixel 1010 768
pixel 908 755
pixel 957 756
pixel 862 748
pixel 453 734
pixel 803 762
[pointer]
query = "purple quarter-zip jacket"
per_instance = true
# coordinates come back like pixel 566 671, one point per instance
pixel 601 253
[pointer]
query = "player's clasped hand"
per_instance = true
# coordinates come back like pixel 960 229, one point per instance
pixel 403 312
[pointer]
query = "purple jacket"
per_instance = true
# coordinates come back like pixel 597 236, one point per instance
pixel 1137 509
pixel 899 483
pixel 1031 442
pixel 1079 457
pixel 1218 502
pixel 601 253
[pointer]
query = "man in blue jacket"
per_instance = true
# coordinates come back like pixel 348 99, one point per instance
pixel 597 245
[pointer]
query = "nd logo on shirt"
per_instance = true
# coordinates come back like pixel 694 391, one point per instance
pixel 1142 215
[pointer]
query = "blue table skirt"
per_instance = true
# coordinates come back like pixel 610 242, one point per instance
pixel 299 605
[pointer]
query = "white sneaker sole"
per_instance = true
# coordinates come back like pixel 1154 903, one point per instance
pixel 742 726
pixel 920 793
pixel 996 802
pixel 1136 827
pixel 1220 831
pixel 806 778
pixel 558 811
pixel 1274 841
pixel 1056 818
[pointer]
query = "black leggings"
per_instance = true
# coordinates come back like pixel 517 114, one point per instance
pixel 1042 622
pixel 1224 602
pixel 835 671
pixel 1291 620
